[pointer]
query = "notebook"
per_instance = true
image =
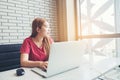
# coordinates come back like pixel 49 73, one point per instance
pixel 64 56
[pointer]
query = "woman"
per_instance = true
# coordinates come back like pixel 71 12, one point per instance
pixel 35 49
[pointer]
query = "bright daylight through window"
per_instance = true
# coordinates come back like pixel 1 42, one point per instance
pixel 98 28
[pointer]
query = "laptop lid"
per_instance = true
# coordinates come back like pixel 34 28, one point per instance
pixel 65 56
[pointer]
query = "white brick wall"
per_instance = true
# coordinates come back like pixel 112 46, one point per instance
pixel 16 17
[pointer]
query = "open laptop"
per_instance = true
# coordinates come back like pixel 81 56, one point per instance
pixel 63 57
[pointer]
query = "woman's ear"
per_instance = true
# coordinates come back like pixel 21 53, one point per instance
pixel 38 29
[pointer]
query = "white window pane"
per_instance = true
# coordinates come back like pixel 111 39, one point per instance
pixel 98 49
pixel 97 17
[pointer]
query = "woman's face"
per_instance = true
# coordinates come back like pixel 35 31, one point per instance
pixel 44 31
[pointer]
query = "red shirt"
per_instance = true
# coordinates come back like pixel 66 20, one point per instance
pixel 35 53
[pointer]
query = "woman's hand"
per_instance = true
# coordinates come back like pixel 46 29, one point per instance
pixel 25 62
pixel 43 65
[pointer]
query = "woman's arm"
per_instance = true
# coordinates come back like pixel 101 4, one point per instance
pixel 25 62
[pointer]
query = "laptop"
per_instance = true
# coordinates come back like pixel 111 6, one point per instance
pixel 64 56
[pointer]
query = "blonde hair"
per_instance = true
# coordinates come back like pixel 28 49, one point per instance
pixel 46 44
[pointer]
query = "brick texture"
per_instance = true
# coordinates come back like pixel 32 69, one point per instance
pixel 16 17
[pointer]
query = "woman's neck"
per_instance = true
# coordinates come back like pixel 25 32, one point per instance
pixel 38 39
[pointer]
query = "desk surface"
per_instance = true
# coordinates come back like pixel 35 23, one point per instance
pixel 85 72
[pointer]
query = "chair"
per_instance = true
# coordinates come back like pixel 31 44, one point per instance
pixel 9 56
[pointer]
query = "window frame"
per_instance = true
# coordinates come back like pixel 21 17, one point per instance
pixel 113 35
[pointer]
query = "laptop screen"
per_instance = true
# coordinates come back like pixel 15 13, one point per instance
pixel 65 56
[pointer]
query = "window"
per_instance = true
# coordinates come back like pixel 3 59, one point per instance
pixel 98 26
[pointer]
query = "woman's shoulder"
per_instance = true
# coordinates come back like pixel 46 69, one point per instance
pixel 51 40
pixel 28 39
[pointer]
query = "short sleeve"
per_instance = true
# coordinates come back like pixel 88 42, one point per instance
pixel 25 48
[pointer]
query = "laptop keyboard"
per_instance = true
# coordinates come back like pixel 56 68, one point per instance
pixel 44 70
pixel 113 74
pixel 39 71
